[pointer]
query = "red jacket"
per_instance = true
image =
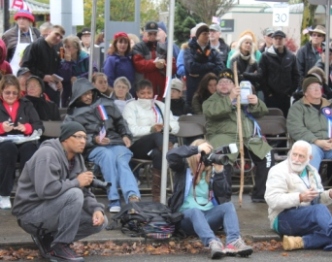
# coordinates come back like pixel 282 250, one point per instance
pixel 144 55
pixel 5 68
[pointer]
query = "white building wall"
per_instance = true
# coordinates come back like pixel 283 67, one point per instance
pixel 257 22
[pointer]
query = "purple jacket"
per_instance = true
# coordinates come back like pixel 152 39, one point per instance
pixel 116 66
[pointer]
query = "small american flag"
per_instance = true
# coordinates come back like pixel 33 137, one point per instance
pixel 215 20
pixel 20 5
pixel 102 134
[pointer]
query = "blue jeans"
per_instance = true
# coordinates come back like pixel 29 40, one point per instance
pixel 203 223
pixel 318 155
pixel 113 161
pixel 313 223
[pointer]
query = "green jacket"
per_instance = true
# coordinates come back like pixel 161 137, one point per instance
pixel 304 122
pixel 221 125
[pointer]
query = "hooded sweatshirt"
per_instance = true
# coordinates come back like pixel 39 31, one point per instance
pixel 5 68
pixel 91 118
pixel 46 176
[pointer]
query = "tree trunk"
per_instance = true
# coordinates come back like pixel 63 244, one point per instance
pixel 307 19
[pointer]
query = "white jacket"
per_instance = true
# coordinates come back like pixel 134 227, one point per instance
pixel 141 116
pixel 283 188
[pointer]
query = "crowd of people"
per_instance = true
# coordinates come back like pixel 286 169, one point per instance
pixel 120 114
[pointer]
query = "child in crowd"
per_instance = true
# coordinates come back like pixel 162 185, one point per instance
pixel 99 80
pixel 22 75
pixel 178 105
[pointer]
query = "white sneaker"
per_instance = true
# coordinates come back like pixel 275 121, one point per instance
pixel 216 249
pixel 5 202
pixel 115 209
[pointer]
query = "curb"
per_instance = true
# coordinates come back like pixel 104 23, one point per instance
pixel 31 245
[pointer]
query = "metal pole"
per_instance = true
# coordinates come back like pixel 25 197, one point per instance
pixel 327 41
pixel 92 41
pixel 167 102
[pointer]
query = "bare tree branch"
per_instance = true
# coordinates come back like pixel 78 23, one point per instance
pixel 206 9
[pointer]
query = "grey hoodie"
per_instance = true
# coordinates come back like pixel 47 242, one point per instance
pixel 46 176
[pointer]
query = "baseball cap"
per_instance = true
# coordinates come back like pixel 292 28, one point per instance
pixel 279 33
pixel 151 27
pixel 268 31
pixel 215 27
pixel 22 71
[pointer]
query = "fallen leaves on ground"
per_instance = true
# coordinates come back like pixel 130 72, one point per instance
pixel 109 248
pixel 272 245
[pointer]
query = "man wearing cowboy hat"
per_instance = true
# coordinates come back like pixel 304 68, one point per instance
pixel 19 37
pixel 308 55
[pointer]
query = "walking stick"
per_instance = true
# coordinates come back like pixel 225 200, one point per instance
pixel 239 125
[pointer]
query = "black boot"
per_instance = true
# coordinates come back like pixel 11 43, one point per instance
pixel 262 170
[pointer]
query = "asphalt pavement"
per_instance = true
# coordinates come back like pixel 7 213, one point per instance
pixel 254 225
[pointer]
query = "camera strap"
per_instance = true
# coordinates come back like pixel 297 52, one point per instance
pixel 194 184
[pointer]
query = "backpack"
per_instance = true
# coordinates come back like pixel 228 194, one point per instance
pixel 146 219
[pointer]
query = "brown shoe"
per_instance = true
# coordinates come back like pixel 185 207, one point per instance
pixel 292 243
pixel 133 198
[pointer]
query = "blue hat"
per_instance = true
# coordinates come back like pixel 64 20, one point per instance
pixel 162 26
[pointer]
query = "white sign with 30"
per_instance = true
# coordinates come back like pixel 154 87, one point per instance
pixel 280 15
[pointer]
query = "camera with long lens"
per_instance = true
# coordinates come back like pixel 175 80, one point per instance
pixel 97 183
pixel 219 155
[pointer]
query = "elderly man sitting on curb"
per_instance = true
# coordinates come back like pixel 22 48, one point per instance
pixel 297 202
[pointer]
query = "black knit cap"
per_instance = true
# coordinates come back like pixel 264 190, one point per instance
pixel 226 73
pixel 201 29
pixel 70 128
pixel 40 81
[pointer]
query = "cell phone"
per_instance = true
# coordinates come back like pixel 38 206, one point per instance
pixel 62 52
pixel 245 91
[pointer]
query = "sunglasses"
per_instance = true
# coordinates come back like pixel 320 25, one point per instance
pixel 152 33
pixel 318 35
pixel 8 93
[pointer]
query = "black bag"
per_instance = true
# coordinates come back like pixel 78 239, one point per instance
pixel 147 219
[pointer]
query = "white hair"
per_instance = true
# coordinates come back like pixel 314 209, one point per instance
pixel 305 144
pixel 237 49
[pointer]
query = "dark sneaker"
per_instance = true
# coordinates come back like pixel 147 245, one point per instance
pixel 216 249
pixel 43 243
pixel 62 252
pixel 238 247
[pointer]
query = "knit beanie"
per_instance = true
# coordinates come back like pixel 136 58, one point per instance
pixel 162 26
pixel 24 13
pixel 176 84
pixel 226 73
pixel 308 80
pixel 201 29
pixel 70 128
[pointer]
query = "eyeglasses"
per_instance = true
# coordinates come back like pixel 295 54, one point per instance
pixel 80 137
pixel 8 93
pixel 318 35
